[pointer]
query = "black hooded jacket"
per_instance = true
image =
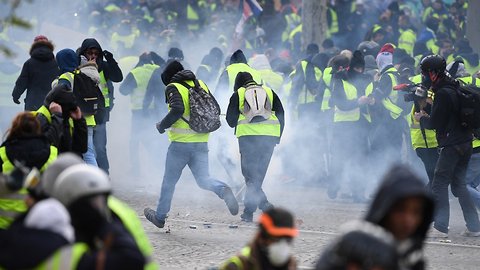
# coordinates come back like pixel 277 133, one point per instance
pixel 32 151
pixel 37 74
pixel 174 98
pixel 111 71
pixel 400 184
pixel 445 117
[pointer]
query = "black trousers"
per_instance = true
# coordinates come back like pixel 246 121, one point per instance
pixel 255 152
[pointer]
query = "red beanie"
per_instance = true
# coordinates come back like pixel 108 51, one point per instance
pixel 388 47
pixel 40 38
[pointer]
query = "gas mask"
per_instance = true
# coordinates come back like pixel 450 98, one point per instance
pixel 279 252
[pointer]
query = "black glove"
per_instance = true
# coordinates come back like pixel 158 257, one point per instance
pixel 16 100
pixel 16 179
pixel 108 55
pixel 160 128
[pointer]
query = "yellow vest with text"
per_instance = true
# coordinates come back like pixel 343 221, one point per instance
pixel 351 115
pixel 268 127
pixel 180 131
pixel 12 205
pixel 142 76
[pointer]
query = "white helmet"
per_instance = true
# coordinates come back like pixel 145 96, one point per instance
pixel 50 175
pixel 80 181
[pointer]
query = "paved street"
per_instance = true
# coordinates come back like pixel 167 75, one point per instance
pixel 180 246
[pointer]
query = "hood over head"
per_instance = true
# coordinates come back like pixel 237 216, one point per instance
pixel 67 60
pixel 171 69
pixel 238 57
pixel 42 50
pixel 242 79
pixel 400 183
pixel 91 43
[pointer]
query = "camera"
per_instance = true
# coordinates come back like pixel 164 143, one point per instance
pixel 413 92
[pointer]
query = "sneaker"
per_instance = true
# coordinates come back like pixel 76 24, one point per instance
pixel 468 233
pixel 151 216
pixel 434 233
pixel 247 217
pixel 265 206
pixel 230 201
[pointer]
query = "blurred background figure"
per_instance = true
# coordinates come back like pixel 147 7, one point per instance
pixel 272 247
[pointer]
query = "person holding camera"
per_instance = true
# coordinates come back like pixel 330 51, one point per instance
pixel 455 147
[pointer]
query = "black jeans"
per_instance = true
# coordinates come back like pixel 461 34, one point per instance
pixel 429 157
pixel 255 152
pixel 451 170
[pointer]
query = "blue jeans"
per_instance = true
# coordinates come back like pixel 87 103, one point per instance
pixel 195 155
pixel 473 178
pixel 451 170
pixel 100 142
pixel 89 156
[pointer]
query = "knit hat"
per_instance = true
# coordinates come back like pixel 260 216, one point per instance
pixel 40 38
pixel 385 56
pixel 357 60
pixel 170 71
pixel 278 222
pixel 61 94
pixel 312 49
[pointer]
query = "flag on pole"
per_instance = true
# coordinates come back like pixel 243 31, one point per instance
pixel 249 8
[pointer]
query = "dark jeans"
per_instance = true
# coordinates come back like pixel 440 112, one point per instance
pixel 100 142
pixel 429 157
pixel 255 152
pixel 450 170
pixel 179 155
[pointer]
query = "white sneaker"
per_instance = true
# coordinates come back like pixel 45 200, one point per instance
pixel 434 233
pixel 468 233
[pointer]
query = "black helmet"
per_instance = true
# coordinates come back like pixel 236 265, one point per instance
pixel 435 63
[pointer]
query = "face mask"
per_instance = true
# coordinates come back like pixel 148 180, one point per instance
pixel 279 252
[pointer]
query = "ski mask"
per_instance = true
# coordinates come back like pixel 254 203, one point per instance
pixel 279 253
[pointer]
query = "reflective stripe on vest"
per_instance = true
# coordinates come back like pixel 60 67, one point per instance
pixel 104 88
pixel 192 18
pixel 234 69
pixel 417 137
pixel 327 79
pixel 11 206
pixel 131 222
pixel 142 76
pixel 390 102
pixel 351 115
pixel 66 257
pixel 269 127
pixel 180 130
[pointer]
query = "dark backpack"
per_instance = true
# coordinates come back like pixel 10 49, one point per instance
pixel 469 107
pixel 88 95
pixel 204 109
